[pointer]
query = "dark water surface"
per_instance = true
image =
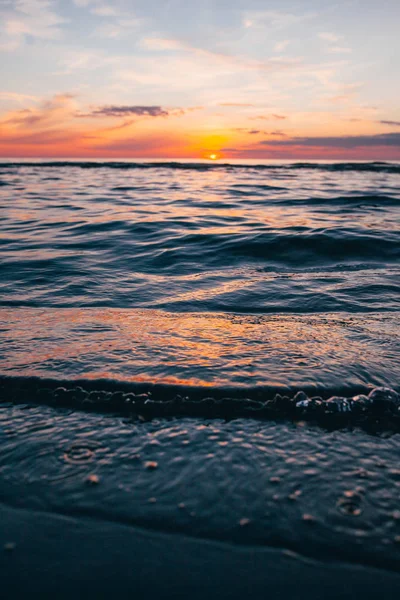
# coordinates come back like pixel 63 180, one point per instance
pixel 324 495
pixel 171 327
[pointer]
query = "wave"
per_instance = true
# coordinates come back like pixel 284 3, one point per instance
pixel 296 246
pixel 154 247
pixel 359 200
pixel 374 167
pixel 361 405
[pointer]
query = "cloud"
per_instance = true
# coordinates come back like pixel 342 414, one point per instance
pixel 277 133
pixel 259 132
pixel 33 18
pixel 13 96
pixel 340 50
pixel 269 117
pixel 334 39
pixel 116 29
pixel 218 60
pixel 97 7
pixel 281 46
pixel 27 117
pixel 345 142
pixel 161 44
pixel 329 37
pixel 238 104
pixel 390 123
pixel 128 111
pixel 115 23
pixel 104 10
pixel 51 128
pixel 339 99
pixel 274 19
pixel 48 113
pixel 32 131
pixel 86 60
pixel 172 68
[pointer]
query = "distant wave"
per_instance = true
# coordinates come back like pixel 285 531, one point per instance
pixel 358 200
pixel 377 167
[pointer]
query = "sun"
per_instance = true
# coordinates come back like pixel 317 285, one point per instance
pixel 213 156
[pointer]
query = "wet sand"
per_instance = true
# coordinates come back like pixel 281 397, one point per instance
pixel 64 558
pixel 100 506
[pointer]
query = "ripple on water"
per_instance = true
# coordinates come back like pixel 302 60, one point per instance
pixel 126 235
pixel 298 488
pixel 80 452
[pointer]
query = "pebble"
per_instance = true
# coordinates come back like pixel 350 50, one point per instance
pixel 308 518
pixel 244 522
pixel 151 465
pixel 295 495
pixel 350 504
pixel 93 479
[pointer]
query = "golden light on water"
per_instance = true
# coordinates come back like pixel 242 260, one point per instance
pixel 188 349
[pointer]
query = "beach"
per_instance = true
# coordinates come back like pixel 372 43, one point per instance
pixel 199 379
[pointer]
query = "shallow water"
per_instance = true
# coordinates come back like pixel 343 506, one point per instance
pixel 320 352
pixel 330 496
pixel 174 332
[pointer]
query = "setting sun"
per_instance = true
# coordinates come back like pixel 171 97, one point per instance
pixel 213 157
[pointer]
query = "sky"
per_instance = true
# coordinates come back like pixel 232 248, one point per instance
pixel 244 79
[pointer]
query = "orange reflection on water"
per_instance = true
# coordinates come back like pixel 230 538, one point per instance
pixel 192 349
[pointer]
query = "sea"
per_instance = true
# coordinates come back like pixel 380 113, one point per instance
pixel 205 348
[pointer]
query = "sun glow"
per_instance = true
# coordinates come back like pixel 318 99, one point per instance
pixel 213 156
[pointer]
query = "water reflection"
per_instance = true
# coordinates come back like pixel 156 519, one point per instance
pixel 202 349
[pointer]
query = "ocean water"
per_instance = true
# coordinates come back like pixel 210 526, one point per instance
pixel 217 343
pixel 279 275
pixel 201 237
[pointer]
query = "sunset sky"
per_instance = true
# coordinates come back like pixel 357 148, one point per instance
pixel 184 78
